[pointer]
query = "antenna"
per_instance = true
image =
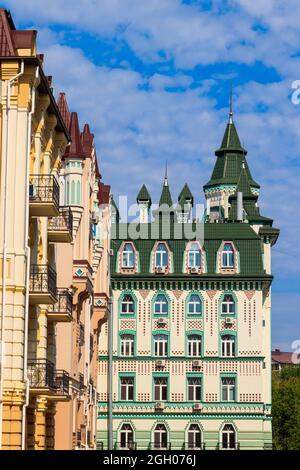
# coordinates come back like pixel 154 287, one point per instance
pixel 230 104
pixel 166 174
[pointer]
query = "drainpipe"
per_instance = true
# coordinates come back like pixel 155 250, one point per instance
pixel 25 378
pixel 4 252
pixel 110 353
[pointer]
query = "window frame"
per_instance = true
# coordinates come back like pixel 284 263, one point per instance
pixel 132 348
pixel 190 344
pixel 163 388
pixel 228 344
pixel 189 302
pixel 161 253
pixel 194 432
pixel 228 388
pixel 128 254
pixel 161 432
pixel 227 254
pixel 196 388
pixel 127 313
pixel 126 432
pixel 155 301
pixel 163 343
pixel 227 303
pixel 228 433
pixel 195 252
pixel 127 388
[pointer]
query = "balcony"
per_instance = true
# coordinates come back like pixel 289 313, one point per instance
pixel 160 446
pixel 42 284
pixel 60 228
pixel 43 196
pixel 193 446
pixel 125 446
pixel 61 311
pixel 44 378
pixel 228 446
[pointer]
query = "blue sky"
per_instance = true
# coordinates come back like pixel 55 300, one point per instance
pixel 152 79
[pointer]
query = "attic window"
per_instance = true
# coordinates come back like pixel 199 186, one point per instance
pixel 228 256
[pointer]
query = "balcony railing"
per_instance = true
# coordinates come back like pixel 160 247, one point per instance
pixel 62 382
pixel 193 446
pixel 60 228
pixel 232 446
pixel 43 375
pixel 62 309
pixel 43 195
pixel 81 334
pixel 42 283
pixel 125 446
pixel 160 446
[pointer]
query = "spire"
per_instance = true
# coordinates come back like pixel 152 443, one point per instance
pixel 75 149
pixel 87 140
pixel 165 197
pixel 64 109
pixel 166 175
pixel 143 195
pixel 230 105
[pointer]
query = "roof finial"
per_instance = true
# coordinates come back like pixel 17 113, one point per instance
pixel 166 174
pixel 230 105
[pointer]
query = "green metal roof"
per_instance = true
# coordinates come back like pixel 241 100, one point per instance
pixel 143 194
pixel 185 193
pixel 165 198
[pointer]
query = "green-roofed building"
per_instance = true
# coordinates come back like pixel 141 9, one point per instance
pixel 191 318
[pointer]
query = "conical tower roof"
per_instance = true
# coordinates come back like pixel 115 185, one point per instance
pixel 75 149
pixel 143 194
pixel 64 109
pixel 165 198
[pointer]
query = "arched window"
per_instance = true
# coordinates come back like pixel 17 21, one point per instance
pixel 127 345
pixel 161 256
pixel 128 256
pixel 161 305
pixel 127 437
pixel 194 305
pixel 194 345
pixel 194 256
pixel 228 256
pixel 193 437
pixel 160 437
pixel 228 345
pixel 127 304
pixel 228 437
pixel 228 305
pixel 161 345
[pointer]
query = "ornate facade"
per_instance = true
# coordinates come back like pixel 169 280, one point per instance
pixel 191 318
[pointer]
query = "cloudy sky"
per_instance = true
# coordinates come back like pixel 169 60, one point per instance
pixel 152 79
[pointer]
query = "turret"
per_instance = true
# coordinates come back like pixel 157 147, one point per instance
pixel 144 203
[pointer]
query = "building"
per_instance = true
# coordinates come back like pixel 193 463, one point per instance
pixel 54 249
pixel 83 268
pixel 189 352
pixel 281 359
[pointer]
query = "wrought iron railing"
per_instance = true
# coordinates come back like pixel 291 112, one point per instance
pixel 193 446
pixel 231 446
pixel 41 374
pixel 42 279
pixel 64 302
pixel 125 446
pixel 64 221
pixel 99 445
pixel 160 446
pixel 62 382
pixel 44 188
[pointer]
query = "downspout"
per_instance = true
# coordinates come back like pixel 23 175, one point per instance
pixel 110 353
pixel 4 252
pixel 26 230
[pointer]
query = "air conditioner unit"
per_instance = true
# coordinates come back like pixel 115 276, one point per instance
pixel 161 321
pixel 159 406
pixel 160 269
pixel 160 363
pixel 198 407
pixel 196 363
pixel 194 270
pixel 228 321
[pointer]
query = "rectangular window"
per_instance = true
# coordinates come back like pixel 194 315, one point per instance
pixel 161 346
pixel 228 389
pixel 228 346
pixel 194 389
pixel 194 346
pixel 127 388
pixel 160 388
pixel 127 345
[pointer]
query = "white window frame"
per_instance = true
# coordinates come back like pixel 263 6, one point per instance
pixel 127 303
pixel 193 433
pixel 160 430
pixel 194 345
pixel 127 345
pixel 127 433
pixel 127 386
pixel 226 255
pixel 193 253
pixel 160 303
pixel 228 343
pixel 228 388
pixel 194 303
pixel 127 253
pixel 194 388
pixel 159 256
pixel 228 433
pixel 161 343
pixel 161 384
pixel 228 304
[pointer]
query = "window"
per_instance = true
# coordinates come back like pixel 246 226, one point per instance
pixel 161 345
pixel 160 437
pixel 194 256
pixel 160 388
pixel 161 256
pixel 127 388
pixel 227 256
pixel 228 305
pixel 194 437
pixel 228 345
pixel 128 256
pixel 194 305
pixel 127 304
pixel 194 343
pixel 194 388
pixel 228 389
pixel 228 437
pixel 126 437
pixel 161 305
pixel 127 345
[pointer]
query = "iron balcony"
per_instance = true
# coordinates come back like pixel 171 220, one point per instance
pixel 193 446
pixel 42 284
pixel 44 378
pixel 128 446
pixel 43 196
pixel 61 311
pixel 60 228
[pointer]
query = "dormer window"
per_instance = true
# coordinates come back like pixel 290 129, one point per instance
pixel 194 256
pixel 128 256
pixel 161 256
pixel 228 256
pixel 127 305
